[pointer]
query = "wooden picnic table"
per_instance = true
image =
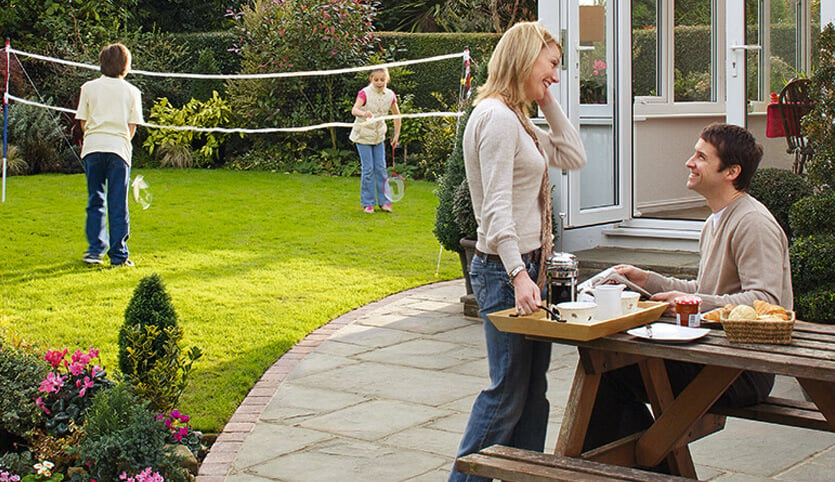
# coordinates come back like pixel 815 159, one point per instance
pixel 810 358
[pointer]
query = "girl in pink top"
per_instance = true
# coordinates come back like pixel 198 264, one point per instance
pixel 369 135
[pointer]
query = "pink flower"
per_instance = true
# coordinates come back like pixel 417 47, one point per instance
pixel 81 358
pixel 52 383
pixel 55 357
pixel 76 369
pixel 598 67
pixel 180 434
pixel 84 386
pixel 39 403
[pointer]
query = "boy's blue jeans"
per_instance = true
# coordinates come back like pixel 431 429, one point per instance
pixel 108 177
pixel 513 410
pixel 373 159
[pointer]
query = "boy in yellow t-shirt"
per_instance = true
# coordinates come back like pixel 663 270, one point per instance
pixel 109 109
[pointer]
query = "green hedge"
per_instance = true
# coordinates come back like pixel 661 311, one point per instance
pixel 812 259
pixel 814 215
pixel 442 76
pixel 779 190
pixel 817 305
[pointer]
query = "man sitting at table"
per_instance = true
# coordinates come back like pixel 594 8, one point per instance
pixel 744 257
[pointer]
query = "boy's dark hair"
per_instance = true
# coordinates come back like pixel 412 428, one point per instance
pixel 114 60
pixel 735 145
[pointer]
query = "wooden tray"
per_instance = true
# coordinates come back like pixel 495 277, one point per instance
pixel 536 324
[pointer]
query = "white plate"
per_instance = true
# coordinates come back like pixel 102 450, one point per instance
pixel 669 333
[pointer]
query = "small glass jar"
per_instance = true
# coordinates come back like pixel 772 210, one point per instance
pixel 688 310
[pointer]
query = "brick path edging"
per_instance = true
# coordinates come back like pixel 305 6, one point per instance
pixel 222 454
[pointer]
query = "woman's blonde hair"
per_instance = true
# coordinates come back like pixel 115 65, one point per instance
pixel 512 62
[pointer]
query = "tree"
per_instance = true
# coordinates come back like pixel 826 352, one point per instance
pixel 300 35
pixel 456 15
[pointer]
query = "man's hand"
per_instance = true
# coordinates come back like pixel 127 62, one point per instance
pixel 527 294
pixel 668 297
pixel 633 274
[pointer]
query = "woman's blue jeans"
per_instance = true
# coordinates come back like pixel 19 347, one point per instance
pixel 373 159
pixel 108 177
pixel 513 410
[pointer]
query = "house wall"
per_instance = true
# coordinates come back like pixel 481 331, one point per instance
pixel 662 146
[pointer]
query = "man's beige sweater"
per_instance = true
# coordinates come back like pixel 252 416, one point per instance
pixel 745 258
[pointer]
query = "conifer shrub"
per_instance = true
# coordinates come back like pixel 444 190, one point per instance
pixel 149 347
pixel 149 306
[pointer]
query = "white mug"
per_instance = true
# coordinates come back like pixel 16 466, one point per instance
pixel 608 299
pixel 629 301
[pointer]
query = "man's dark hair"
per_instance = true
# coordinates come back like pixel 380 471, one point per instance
pixel 735 145
pixel 114 60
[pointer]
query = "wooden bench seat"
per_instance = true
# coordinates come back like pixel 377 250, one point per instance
pixel 783 411
pixel 511 464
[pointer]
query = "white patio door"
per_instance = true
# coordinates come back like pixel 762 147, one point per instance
pixel 596 90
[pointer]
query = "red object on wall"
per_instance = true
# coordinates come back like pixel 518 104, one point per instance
pixel 773 124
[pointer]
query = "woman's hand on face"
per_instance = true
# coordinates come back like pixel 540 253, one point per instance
pixel 547 99
pixel 527 294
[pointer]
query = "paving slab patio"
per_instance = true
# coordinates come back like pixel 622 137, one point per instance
pixel 383 394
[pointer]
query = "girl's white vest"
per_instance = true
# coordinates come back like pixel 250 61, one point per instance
pixel 369 131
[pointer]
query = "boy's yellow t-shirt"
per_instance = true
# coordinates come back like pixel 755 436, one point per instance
pixel 109 105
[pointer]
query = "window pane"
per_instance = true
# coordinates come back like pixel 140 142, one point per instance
pixel 753 57
pixel 594 71
pixel 784 49
pixel 693 38
pixel 646 76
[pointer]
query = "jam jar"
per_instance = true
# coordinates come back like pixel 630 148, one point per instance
pixel 688 310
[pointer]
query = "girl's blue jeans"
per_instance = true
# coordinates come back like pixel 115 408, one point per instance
pixel 108 176
pixel 374 174
pixel 513 410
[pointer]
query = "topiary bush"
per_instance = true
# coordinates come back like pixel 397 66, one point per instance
pixel 462 207
pixel 150 305
pixel 812 259
pixel 149 352
pixel 817 305
pixel 778 190
pixel 814 215
pixel 122 435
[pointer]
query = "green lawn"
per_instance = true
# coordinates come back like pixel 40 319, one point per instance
pixel 253 262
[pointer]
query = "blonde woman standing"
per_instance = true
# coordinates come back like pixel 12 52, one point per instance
pixel 507 159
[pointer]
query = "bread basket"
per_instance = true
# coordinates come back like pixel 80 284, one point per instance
pixel 778 332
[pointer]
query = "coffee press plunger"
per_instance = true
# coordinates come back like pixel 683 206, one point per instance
pixel 560 274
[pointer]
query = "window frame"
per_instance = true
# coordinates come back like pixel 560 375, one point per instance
pixel 665 104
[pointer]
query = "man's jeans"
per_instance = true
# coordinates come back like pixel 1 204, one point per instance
pixel 513 410
pixel 373 159
pixel 107 173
